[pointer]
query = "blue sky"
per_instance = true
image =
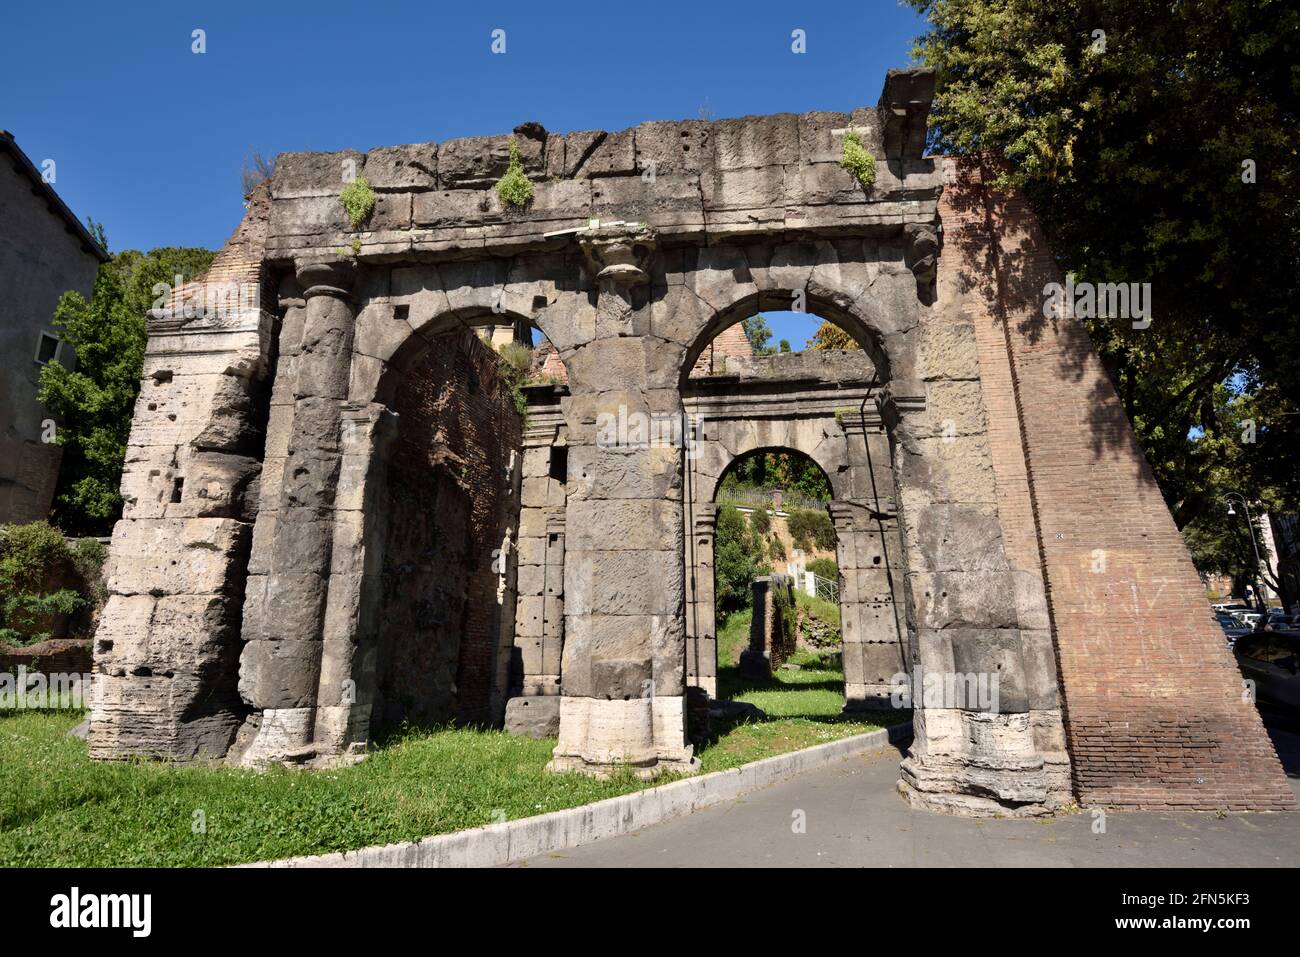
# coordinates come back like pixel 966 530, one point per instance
pixel 149 137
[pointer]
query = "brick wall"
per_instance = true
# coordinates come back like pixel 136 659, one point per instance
pixel 1154 708
pixel 448 508
pixel 731 341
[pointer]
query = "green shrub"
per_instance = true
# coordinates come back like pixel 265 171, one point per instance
pixel 358 201
pixel 825 568
pixel 516 355
pixel 811 527
pixel 760 521
pixel 733 561
pixel 858 160
pixel 513 360
pixel 777 548
pixel 33 560
pixel 514 188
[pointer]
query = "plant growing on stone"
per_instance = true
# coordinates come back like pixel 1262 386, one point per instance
pixel 514 360
pixel 514 188
pixel 358 201
pixel 858 160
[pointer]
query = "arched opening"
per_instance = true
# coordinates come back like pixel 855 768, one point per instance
pixel 777 589
pixel 791 439
pixel 761 330
pixel 446 578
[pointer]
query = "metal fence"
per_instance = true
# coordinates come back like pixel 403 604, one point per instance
pixel 762 498
pixel 827 589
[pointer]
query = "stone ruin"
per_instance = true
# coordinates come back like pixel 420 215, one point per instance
pixel 336 518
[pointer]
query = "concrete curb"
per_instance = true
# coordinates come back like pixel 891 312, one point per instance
pixel 511 841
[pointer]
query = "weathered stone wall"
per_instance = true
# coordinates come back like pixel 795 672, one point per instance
pixel 168 644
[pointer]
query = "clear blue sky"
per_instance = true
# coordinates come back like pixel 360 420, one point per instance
pixel 149 137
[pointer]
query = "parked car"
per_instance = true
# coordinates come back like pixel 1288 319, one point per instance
pixel 1276 621
pixel 1232 629
pixel 1230 606
pixel 1248 618
pixel 1271 660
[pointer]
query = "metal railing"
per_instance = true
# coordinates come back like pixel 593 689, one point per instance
pixel 827 589
pixel 762 498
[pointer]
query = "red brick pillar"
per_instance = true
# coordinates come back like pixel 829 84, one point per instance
pixel 1156 714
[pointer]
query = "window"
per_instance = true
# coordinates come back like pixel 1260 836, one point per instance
pixel 47 349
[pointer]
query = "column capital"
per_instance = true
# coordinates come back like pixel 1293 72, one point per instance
pixel 619 254
pixel 706 518
pixel 333 276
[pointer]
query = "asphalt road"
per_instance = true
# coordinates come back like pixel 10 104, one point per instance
pixel 853 817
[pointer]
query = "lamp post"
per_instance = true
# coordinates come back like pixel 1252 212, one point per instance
pixel 1250 530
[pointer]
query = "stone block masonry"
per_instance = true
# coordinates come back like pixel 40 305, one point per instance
pixel 327 526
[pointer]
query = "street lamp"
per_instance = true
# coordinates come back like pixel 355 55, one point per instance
pixel 1250 530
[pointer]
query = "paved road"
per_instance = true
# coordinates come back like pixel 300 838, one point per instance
pixel 855 818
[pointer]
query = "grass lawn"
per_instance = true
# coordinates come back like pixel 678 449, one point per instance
pixel 59 808
pixel 803 707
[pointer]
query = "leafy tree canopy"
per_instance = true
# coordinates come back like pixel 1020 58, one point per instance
pixel 830 336
pixel 789 471
pixel 1160 149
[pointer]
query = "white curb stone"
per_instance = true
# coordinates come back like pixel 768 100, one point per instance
pixel 511 841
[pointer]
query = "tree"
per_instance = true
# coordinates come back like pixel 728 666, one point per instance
pixel 734 565
pixel 1155 140
pixel 758 332
pixel 93 404
pixel 831 336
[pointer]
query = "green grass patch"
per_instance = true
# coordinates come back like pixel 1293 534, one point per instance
pixel 59 808
pixel 803 707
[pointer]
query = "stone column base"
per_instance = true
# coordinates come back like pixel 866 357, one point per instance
pixel 600 737
pixel 983 765
pixel 868 697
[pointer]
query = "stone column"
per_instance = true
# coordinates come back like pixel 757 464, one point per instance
pixel 976 744
pixel 279 669
pixel 346 690
pixel 873 646
pixel 623 670
pixel 701 627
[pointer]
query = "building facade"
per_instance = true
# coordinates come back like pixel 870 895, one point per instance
pixel 45 251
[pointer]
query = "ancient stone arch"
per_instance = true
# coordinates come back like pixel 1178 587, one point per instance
pixel 247 616
pixel 822 405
